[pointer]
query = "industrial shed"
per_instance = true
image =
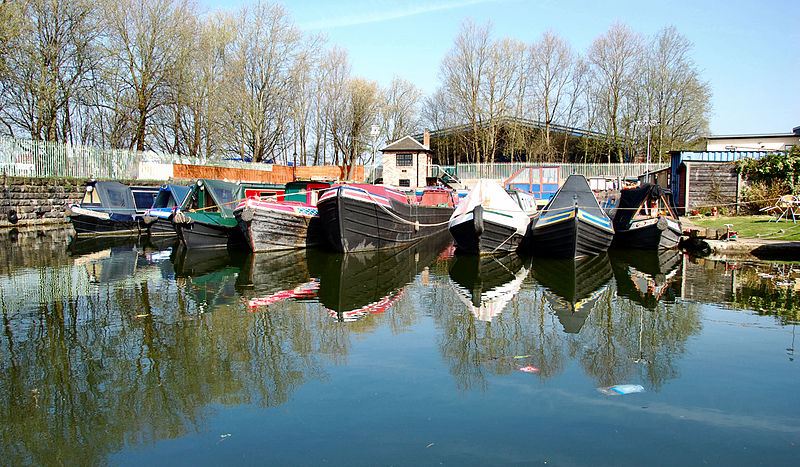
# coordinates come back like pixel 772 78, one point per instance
pixel 707 178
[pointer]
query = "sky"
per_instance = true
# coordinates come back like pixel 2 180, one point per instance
pixel 748 51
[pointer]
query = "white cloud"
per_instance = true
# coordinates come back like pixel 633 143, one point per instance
pixel 395 11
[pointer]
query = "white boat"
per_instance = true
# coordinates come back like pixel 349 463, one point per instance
pixel 490 219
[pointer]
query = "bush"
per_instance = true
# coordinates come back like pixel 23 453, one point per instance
pixel 758 195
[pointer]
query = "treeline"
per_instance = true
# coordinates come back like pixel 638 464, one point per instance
pixel 623 87
pixel 162 75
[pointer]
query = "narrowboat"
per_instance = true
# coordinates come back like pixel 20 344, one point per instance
pixel 157 218
pixel 489 220
pixel 362 217
pixel 572 286
pixel 110 208
pixel 206 220
pixel 571 225
pixel 486 284
pixel 646 218
pixel 288 222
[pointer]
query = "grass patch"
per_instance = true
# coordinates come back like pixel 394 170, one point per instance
pixel 753 226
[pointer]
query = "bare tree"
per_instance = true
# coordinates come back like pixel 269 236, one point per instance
pixel 613 56
pixel 399 114
pixel 261 82
pixel 51 57
pixel 302 103
pixel 146 41
pixel 462 72
pixel 551 68
pixel 355 113
pixel 676 96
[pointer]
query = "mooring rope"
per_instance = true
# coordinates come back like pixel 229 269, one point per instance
pixel 415 224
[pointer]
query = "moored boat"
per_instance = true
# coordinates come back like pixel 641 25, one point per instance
pixel 157 218
pixel 290 221
pixel 110 208
pixel 646 218
pixel 571 225
pixel 206 220
pixel 362 217
pixel 489 220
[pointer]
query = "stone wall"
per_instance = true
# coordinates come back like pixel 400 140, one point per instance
pixel 27 201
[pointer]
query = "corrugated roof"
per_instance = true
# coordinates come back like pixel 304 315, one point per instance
pixel 406 143
pixel 720 156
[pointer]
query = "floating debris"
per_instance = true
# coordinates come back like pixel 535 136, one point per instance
pixel 529 369
pixel 622 389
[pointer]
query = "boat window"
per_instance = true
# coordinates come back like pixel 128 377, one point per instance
pixel 550 175
pixel 404 160
pixel 90 197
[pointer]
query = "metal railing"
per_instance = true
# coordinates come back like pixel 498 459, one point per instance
pixel 43 159
pixel 502 171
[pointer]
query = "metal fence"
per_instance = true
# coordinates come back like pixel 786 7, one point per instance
pixel 502 171
pixel 29 158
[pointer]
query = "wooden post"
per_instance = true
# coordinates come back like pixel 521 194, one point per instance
pixel 738 190
pixel 686 198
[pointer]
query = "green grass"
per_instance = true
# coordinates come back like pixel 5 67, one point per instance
pixel 753 226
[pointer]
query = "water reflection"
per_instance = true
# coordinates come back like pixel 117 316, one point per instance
pixel 272 277
pixel 113 362
pixel 647 276
pixel 572 286
pixel 355 285
pixel 488 283
pixel 105 350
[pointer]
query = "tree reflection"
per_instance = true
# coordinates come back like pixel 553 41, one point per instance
pixel 91 367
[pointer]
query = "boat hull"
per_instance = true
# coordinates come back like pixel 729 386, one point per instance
pixel 87 225
pixel 570 234
pixel 355 220
pixel 484 233
pixel 203 235
pixel 271 230
pixel 653 234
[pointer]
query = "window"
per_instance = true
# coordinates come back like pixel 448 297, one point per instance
pixel 404 160
pixel 404 182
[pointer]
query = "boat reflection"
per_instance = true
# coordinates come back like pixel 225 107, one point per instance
pixel 646 276
pixel 354 285
pixel 487 283
pixel 572 286
pixel 208 274
pixel 271 277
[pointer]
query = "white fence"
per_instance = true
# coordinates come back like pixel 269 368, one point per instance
pixel 29 158
pixel 502 171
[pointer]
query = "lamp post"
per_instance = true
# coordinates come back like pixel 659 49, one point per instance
pixel 650 124
pixel 294 167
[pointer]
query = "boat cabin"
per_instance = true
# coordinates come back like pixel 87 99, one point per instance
pixel 115 198
pixel 540 181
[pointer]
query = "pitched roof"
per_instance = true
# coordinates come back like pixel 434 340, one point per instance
pixel 406 143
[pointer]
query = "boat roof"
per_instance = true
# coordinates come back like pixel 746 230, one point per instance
pixel 575 192
pixel 115 197
pixel 630 199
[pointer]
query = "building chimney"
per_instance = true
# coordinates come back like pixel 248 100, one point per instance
pixel 426 139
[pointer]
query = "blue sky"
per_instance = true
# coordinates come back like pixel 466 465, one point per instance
pixel 748 51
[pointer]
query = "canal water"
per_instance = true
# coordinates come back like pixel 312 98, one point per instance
pixel 135 353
